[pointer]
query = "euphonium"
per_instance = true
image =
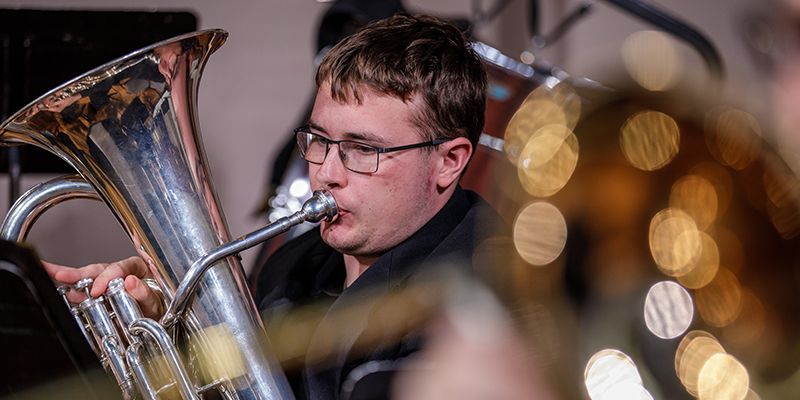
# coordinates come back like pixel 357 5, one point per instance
pixel 130 129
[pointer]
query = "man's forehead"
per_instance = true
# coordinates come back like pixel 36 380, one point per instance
pixel 355 93
pixel 366 96
pixel 356 134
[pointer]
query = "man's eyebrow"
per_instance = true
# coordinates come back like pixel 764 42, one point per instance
pixel 365 137
pixel 316 127
pixel 360 136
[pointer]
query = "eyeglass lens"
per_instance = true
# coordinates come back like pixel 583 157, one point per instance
pixel 355 156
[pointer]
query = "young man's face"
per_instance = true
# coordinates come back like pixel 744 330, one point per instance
pixel 376 211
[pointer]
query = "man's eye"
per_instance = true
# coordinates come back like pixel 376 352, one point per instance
pixel 361 148
pixel 317 140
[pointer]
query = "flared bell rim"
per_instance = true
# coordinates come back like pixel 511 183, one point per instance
pixel 218 38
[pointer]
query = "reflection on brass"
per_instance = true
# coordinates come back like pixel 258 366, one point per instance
pixel 650 140
pixel 652 60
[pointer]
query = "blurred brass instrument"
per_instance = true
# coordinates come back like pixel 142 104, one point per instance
pixel 130 129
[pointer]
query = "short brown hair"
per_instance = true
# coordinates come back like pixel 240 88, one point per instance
pixel 406 55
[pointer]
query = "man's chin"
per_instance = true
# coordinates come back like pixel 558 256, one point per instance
pixel 340 246
pixel 334 237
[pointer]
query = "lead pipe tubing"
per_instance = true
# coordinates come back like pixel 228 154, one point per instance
pixel 320 206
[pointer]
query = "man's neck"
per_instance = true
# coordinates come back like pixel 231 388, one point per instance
pixel 355 266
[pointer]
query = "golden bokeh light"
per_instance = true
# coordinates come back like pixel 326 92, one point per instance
pixel 732 136
pixel 750 325
pixel 548 160
pixel 540 233
pixel 720 179
pixel 720 301
pixel 694 352
pixel 786 219
pixel 751 395
pixel 697 197
pixel 625 391
pixel 783 189
pixel 535 113
pixel 705 268
pixel 650 140
pixel 668 310
pixel 653 60
pixel 566 98
pixel 544 106
pixel 723 377
pixel 609 372
pixel 675 242
pixel 781 184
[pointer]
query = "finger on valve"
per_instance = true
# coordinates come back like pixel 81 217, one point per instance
pixel 100 273
pixel 71 276
pixel 133 266
pixel 150 301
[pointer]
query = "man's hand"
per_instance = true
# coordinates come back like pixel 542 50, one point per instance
pixel 133 270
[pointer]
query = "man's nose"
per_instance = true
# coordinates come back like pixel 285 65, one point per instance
pixel 332 171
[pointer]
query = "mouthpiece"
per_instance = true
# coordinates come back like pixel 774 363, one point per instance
pixel 320 206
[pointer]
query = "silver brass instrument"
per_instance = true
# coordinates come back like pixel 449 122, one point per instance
pixel 130 130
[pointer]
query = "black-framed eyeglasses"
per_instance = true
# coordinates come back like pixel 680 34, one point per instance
pixel 356 156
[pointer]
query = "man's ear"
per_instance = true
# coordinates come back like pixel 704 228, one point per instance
pixel 454 155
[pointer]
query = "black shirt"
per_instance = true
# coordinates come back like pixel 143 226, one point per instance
pixel 352 323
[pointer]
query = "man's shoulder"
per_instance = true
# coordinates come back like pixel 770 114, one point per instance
pixel 300 245
pixel 480 224
pixel 299 252
pixel 483 218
